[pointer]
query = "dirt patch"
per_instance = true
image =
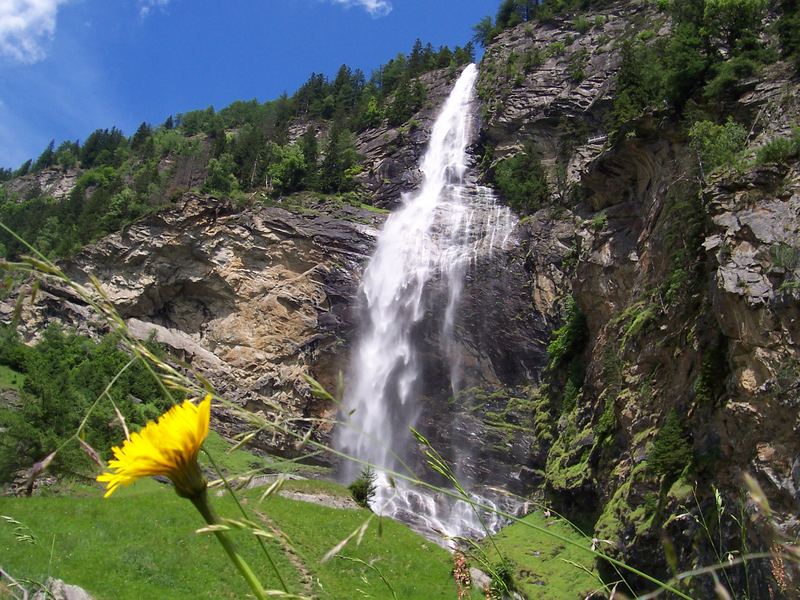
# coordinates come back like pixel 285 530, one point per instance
pixel 320 498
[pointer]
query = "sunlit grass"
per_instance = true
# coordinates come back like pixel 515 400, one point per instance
pixel 415 568
pixel 107 546
pixel 544 567
pixel 140 543
pixel 240 461
pixel 10 379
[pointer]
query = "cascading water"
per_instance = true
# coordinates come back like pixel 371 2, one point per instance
pixel 424 251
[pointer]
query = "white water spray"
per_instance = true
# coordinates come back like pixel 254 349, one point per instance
pixel 437 235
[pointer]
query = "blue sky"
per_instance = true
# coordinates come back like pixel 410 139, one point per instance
pixel 68 67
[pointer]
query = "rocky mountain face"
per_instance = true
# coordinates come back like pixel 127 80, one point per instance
pixel 688 287
pixel 685 293
pixel 253 299
pixel 390 155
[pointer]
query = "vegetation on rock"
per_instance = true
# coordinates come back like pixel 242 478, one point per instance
pixel 521 180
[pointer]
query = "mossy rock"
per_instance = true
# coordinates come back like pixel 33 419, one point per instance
pixel 568 466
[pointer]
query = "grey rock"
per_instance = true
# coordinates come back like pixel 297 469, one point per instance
pixel 253 300
pixel 58 590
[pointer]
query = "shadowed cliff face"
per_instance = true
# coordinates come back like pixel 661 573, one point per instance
pixel 688 287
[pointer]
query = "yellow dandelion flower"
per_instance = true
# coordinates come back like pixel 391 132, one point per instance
pixel 168 447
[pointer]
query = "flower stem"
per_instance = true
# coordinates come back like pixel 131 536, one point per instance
pixel 201 504
pixel 244 514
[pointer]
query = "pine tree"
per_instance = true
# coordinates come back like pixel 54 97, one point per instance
pixel 140 137
pixel 47 157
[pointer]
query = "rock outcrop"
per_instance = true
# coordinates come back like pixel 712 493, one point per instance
pixel 55 589
pixel 254 299
pixel 390 155
pixel 53 181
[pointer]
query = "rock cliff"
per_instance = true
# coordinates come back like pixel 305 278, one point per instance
pixel 254 299
pixel 688 289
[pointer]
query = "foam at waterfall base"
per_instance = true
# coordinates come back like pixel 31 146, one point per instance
pixel 441 517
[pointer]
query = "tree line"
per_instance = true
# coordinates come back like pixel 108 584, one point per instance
pixel 246 146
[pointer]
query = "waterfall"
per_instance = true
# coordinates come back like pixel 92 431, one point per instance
pixel 416 277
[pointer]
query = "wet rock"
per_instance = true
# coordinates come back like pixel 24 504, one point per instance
pixel 391 154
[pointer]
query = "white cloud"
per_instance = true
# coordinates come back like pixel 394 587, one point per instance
pixel 377 8
pixel 25 28
pixel 147 6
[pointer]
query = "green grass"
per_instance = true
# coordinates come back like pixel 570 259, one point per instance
pixel 10 379
pixel 240 461
pixel 546 568
pixel 413 566
pixel 321 486
pixel 141 542
pixel 374 209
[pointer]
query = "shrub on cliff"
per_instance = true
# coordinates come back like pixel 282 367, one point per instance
pixel 568 340
pixel 780 149
pixel 717 145
pixel 521 180
pixel 671 452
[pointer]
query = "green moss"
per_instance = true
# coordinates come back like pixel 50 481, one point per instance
pixel 506 414
pixel 568 462
pixel 607 423
pixel 638 322
pixel 643 516
pixel 618 513
pixel 609 526
pixel 634 319
pixel 570 339
pixel 681 490
pixel 543 421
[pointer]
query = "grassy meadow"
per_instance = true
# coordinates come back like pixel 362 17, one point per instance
pixel 142 543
